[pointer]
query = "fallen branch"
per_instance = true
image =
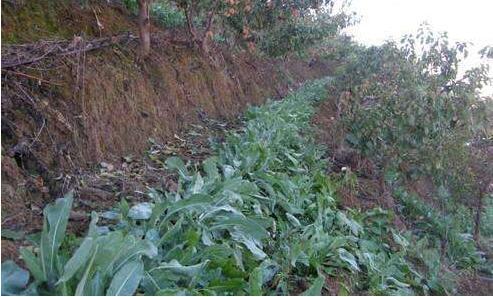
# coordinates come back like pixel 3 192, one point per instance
pixel 32 77
pixel 18 55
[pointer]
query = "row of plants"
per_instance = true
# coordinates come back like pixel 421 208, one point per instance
pixel 444 229
pixel 258 218
pixel 408 108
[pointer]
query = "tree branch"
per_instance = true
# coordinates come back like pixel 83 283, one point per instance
pixel 189 17
pixel 210 19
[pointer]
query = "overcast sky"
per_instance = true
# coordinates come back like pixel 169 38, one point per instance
pixel 464 20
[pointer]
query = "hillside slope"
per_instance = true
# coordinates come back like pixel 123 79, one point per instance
pixel 63 115
pixel 209 168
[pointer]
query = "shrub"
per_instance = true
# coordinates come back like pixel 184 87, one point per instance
pixel 166 15
pixel 410 109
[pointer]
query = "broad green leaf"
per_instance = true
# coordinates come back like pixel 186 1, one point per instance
pixel 210 168
pixel 228 171
pixel 230 286
pixel 240 186
pixel 297 253
pixel 175 267
pixel 55 224
pixel 397 283
pixel 269 270
pixel 292 159
pixel 194 201
pixel 153 236
pixel 33 264
pixel 171 232
pixel 157 212
pixel 14 279
pixel 124 207
pixel 12 234
pixel 149 284
pixel 214 210
pixel 348 258
pixel 175 163
pixel 197 184
pixel 95 285
pixel 337 242
pixel 353 225
pixel 127 279
pixel 206 238
pixel 368 259
pixel 81 286
pixel 399 239
pixel 135 250
pixel 253 245
pixel 77 261
pixel 255 282
pixel 316 288
pixel 34 239
pixel 289 207
pixel 293 220
pixel 238 256
pixel 111 247
pixel 83 252
pixel 141 211
pixel 172 292
pixel 242 224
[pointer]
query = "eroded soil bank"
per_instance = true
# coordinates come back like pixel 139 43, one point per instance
pixel 63 116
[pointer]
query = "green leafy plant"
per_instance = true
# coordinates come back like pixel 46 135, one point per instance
pixel 258 217
pixel 100 265
pixel 166 15
pixel 15 280
pixel 460 248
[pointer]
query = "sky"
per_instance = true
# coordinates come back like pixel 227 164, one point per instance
pixel 464 20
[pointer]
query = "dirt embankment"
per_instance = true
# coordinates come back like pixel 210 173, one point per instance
pixel 62 116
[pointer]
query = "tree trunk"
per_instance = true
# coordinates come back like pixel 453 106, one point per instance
pixel 188 11
pixel 477 219
pixel 208 28
pixel 144 27
pixel 200 39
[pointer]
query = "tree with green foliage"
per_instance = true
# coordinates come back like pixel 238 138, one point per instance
pixel 277 27
pixel 416 116
pixel 200 16
pixel 408 101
